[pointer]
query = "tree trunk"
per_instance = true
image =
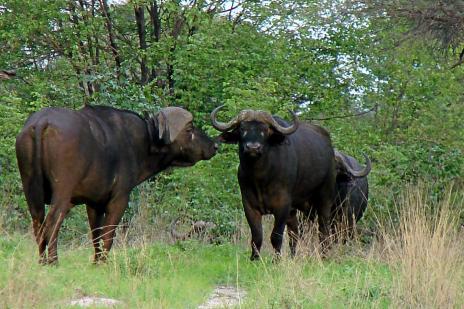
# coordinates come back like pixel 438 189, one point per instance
pixel 155 32
pixel 82 53
pixel 89 71
pixel 178 24
pixel 111 36
pixel 96 54
pixel 140 20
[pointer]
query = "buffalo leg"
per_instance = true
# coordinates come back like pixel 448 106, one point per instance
pixel 113 214
pixel 32 182
pixel 293 231
pixel 277 236
pixel 96 221
pixel 37 211
pixel 325 203
pixel 324 221
pixel 254 221
pixel 33 190
pixel 52 225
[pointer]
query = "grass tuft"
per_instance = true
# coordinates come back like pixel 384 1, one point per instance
pixel 425 251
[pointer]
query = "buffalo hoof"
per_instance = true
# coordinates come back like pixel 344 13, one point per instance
pixel 53 260
pixel 100 258
pixel 99 261
pixel 277 258
pixel 43 261
pixel 254 257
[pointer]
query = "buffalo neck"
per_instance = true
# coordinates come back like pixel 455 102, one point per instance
pixel 256 167
pixel 157 156
pixel 154 164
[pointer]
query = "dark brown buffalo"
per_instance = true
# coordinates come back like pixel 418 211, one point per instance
pixel 282 168
pixel 352 190
pixel 96 156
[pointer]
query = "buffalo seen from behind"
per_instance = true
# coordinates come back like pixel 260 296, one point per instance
pixel 284 168
pixel 96 156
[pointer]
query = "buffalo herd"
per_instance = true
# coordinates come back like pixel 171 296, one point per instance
pixel 97 155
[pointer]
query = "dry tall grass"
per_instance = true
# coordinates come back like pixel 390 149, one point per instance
pixel 422 244
pixel 425 251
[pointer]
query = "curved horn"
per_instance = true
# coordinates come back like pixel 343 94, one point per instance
pixel 283 130
pixel 355 173
pixel 222 126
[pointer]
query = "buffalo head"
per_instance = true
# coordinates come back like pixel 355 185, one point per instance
pixel 253 130
pixel 173 132
pixel 348 168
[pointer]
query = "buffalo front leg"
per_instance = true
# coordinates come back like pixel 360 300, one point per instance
pixel 293 231
pixel 277 236
pixel 113 214
pixel 253 217
pixel 96 218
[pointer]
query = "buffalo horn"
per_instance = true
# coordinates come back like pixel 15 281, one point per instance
pixel 283 130
pixel 355 173
pixel 222 126
pixel 249 115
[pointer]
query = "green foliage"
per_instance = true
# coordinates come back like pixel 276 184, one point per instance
pixel 308 56
pixel 208 191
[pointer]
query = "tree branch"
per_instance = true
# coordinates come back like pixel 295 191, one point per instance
pixel 345 116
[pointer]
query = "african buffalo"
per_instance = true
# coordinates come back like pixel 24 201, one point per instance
pixel 282 168
pixel 351 188
pixel 97 155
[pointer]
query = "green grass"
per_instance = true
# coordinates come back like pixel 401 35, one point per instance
pixel 183 275
pixel 416 262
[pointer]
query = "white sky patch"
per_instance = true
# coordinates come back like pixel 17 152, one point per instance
pixel 117 2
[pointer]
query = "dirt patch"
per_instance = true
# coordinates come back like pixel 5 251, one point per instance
pixel 224 297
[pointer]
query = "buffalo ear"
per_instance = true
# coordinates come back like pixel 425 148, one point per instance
pixel 228 137
pixel 163 129
pixel 276 137
pixel 171 121
pixel 342 173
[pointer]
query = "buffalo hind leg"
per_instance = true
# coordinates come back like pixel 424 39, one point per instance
pixel 52 225
pixel 325 200
pixel 37 210
pixel 253 217
pixel 113 214
pixel 324 217
pixel 33 191
pixel 96 218
pixel 293 231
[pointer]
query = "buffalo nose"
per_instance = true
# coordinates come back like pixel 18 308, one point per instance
pixel 253 146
